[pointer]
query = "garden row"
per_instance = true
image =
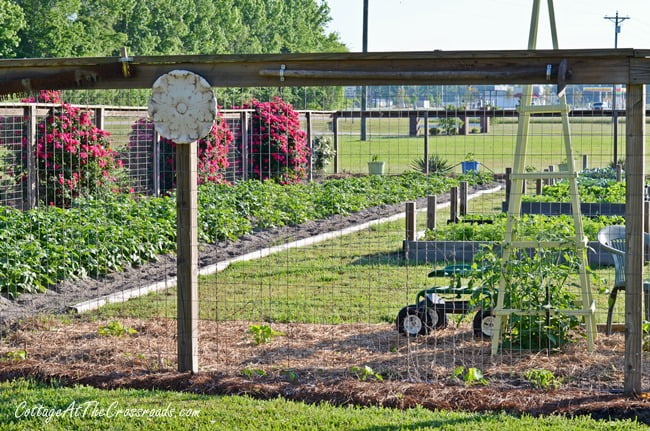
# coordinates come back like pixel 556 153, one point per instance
pixel 46 245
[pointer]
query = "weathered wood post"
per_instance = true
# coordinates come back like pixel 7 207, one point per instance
pixel 508 186
pixel 410 221
pixel 335 132
pixel 453 204
pixel 619 172
pixel 432 203
pixel 634 208
pixel 30 198
pixel 585 162
pixel 310 142
pixel 187 297
pixel 244 123
pixel 462 208
pixel 425 120
pixel 185 125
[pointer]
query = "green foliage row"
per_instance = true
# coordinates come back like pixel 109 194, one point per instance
pixel 531 226
pixel 41 247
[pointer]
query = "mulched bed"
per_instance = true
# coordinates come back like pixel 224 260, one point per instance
pixel 313 363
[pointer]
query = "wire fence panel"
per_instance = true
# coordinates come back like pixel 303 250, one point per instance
pixel 286 293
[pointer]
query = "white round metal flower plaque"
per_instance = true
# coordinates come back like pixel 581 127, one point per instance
pixel 182 106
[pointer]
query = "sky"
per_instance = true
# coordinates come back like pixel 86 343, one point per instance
pixel 425 25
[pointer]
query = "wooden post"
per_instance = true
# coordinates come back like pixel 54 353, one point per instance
pixel 335 132
pixel 508 185
pixel 155 163
pixel 551 181
pixel 99 117
pixel 187 296
pixel 432 203
pixel 30 199
pixel 410 221
pixel 585 162
pixel 485 123
pixel 244 127
pixel 464 128
pixel 619 171
pixel 538 186
pixel 453 205
pixel 463 198
pixel 426 142
pixel 413 124
pixel 646 218
pixel 310 142
pixel 635 168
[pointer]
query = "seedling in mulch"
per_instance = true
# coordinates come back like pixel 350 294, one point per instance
pixel 115 329
pixel 471 375
pixel 365 373
pixel 14 356
pixel 542 379
pixel 262 333
pixel 253 372
pixel 291 375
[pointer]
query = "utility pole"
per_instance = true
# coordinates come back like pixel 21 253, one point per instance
pixel 617 20
pixel 364 89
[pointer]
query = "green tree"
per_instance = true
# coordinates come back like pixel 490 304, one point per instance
pixel 13 20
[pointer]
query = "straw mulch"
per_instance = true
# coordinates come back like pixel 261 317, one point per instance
pixel 314 363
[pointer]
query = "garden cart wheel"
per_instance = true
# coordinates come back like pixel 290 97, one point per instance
pixel 483 323
pixel 413 321
pixel 437 316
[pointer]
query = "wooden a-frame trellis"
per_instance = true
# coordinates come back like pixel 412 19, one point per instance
pixel 593 66
pixel 512 242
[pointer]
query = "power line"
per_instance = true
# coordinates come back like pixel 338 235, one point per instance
pixel 617 20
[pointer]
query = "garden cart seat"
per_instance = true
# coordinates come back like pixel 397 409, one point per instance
pixel 612 240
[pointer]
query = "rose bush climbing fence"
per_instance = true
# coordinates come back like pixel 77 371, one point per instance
pixel 278 145
pixel 74 157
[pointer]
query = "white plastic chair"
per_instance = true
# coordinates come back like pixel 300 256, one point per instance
pixel 612 239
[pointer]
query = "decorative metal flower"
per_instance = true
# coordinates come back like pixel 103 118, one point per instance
pixel 182 106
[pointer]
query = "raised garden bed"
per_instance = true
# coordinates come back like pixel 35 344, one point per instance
pixel 430 252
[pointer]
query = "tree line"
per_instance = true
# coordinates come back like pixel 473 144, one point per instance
pixel 77 28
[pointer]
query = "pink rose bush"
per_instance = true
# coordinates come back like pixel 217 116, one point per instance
pixel 212 152
pixel 278 144
pixel 74 158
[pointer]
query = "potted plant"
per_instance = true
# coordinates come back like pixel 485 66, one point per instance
pixel 375 167
pixel 470 164
pixel 563 166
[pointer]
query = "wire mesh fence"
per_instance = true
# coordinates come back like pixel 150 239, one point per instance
pixel 275 306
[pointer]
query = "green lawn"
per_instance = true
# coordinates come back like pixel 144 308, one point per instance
pixel 26 405
pixel 388 138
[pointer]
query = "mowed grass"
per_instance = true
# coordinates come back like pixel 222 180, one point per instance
pixel 389 140
pixel 357 278
pixel 27 405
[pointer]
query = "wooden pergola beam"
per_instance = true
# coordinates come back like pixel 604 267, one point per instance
pixel 601 66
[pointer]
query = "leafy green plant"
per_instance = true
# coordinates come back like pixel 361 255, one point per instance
pixel 536 281
pixel 542 379
pixel 262 334
pixel 646 336
pixel 115 329
pixel 14 356
pixel 96 237
pixel 322 152
pixel 436 164
pixel 365 373
pixel 470 375
pixel 253 372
